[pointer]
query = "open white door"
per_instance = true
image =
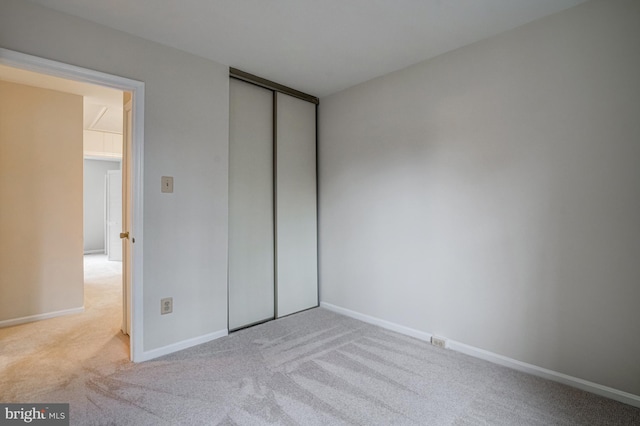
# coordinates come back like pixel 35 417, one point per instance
pixel 127 208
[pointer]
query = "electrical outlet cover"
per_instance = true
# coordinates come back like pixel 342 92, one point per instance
pixel 438 341
pixel 166 305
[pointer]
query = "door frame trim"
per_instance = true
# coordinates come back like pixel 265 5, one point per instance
pixel 136 88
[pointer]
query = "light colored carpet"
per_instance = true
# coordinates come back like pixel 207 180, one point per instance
pixel 38 358
pixel 312 368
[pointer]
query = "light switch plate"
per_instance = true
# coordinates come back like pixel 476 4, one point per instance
pixel 167 184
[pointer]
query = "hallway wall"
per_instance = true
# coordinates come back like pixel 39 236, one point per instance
pixel 41 268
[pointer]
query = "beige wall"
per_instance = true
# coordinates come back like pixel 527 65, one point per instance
pixel 492 195
pixel 186 131
pixel 41 268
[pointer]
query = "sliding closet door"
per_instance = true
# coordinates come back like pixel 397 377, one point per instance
pixel 251 223
pixel 296 229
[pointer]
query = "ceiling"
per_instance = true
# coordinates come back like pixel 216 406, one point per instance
pixel 315 46
pixel 102 106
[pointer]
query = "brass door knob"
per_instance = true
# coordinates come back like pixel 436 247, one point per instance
pixel 124 235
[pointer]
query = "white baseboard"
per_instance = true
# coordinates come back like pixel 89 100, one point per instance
pixel 38 317
pixel 379 322
pixel 94 252
pixel 575 382
pixel 175 347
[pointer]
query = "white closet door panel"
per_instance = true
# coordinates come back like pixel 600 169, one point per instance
pixel 296 223
pixel 251 226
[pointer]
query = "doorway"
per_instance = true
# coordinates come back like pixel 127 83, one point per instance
pixel 103 134
pixel 132 167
